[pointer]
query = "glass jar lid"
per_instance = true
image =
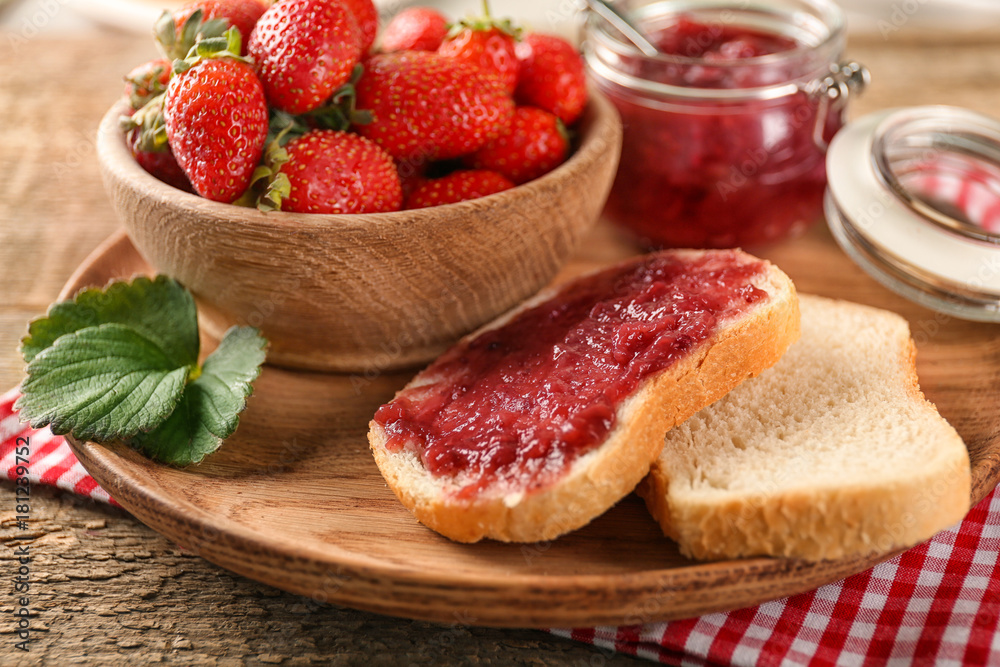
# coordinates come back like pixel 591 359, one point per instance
pixel 914 199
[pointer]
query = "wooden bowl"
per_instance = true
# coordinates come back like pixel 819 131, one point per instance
pixel 364 293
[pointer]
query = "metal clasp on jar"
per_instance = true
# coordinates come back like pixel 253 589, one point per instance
pixel 834 91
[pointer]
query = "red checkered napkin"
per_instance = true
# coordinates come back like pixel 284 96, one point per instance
pixel 937 603
pixel 50 460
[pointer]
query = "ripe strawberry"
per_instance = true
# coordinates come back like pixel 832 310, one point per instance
pixel 216 121
pixel 487 44
pixel 366 15
pixel 415 29
pixel 146 82
pixel 304 50
pixel 177 32
pixel 161 162
pixel 535 144
pixel 339 172
pixel 146 136
pixel 241 14
pixel 552 76
pixel 427 106
pixel 457 186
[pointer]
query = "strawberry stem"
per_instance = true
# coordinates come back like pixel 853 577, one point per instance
pixel 283 127
pixel 231 41
pixel 341 111
pixel 484 23
pixel 268 185
pixel 226 45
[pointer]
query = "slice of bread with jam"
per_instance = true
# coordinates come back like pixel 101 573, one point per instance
pixel 542 420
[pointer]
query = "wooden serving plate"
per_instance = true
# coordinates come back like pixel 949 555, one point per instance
pixel 294 499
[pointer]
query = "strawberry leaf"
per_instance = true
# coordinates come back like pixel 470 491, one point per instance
pixel 209 411
pixel 150 123
pixel 159 309
pixel 101 383
pixel 283 127
pixel 268 186
pixel 165 33
pixel 224 46
pixel 121 365
pixel 174 43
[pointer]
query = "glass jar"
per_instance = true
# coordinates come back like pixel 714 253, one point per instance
pixel 725 136
pixel 914 199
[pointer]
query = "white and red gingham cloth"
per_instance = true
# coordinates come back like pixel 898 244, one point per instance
pixel 50 461
pixel 938 603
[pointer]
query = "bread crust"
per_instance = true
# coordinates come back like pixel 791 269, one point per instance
pixel 844 520
pixel 597 480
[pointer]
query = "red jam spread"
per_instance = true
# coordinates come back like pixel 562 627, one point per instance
pixel 517 405
pixel 702 172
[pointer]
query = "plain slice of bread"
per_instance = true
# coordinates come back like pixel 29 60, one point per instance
pixel 834 452
pixel 595 481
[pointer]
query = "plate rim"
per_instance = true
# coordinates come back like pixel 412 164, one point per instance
pixel 108 465
pixel 101 462
pixel 107 456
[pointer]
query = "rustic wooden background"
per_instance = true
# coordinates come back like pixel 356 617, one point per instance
pixel 107 589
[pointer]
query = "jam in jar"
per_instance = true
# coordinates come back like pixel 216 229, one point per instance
pixel 726 129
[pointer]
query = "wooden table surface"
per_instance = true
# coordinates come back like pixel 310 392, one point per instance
pixel 109 590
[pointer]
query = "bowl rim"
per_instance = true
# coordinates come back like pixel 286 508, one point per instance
pixel 603 136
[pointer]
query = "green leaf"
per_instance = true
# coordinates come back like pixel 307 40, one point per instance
pixel 121 364
pixel 208 413
pixel 102 383
pixel 160 309
pixel 165 33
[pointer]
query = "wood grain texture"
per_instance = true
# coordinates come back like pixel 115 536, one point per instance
pixel 318 520
pixel 109 591
pixel 97 605
pixel 365 293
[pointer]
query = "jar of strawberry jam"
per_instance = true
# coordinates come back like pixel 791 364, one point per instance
pixel 726 129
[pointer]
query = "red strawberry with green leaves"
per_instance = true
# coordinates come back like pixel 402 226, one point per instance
pixel 160 161
pixel 240 14
pixel 486 43
pixel 304 50
pixel 552 76
pixel 146 136
pixel 535 144
pixel 426 106
pixel 330 171
pixel 457 186
pixel 415 29
pixel 146 81
pixel 178 31
pixel 367 17
pixel 216 119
